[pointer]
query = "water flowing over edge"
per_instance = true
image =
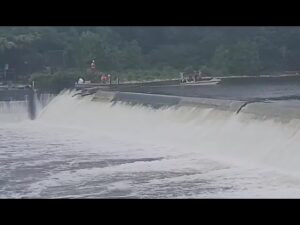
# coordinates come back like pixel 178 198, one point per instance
pixel 224 135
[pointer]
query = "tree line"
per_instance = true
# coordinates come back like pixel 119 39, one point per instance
pixel 215 50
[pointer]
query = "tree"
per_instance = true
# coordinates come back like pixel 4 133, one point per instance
pixel 221 60
pixel 244 58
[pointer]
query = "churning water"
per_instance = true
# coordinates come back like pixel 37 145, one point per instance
pixel 78 148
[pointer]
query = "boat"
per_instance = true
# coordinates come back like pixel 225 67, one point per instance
pixel 197 78
pixel 202 81
pixel 88 84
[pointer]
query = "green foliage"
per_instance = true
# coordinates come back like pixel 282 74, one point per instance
pixel 239 59
pixel 245 58
pixel 147 74
pixel 57 81
pixel 221 59
pixel 150 52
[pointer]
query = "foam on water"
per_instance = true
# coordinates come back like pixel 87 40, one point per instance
pixel 17 111
pixel 81 148
pixel 208 131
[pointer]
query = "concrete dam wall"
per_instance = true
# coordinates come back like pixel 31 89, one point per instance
pixel 285 109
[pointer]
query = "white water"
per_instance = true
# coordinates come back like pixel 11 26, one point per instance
pixel 13 111
pixel 17 111
pixel 80 148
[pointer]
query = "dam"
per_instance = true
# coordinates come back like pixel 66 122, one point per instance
pixel 230 141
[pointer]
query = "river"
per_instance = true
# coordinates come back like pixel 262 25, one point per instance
pixel 79 148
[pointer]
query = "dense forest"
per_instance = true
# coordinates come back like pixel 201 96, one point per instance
pixel 148 52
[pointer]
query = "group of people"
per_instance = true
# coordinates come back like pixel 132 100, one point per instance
pixel 104 78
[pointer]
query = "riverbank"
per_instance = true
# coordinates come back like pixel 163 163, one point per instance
pixel 129 78
pixel 66 79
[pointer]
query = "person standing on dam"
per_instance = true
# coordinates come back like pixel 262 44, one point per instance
pixel 80 80
pixel 93 65
pixel 109 78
